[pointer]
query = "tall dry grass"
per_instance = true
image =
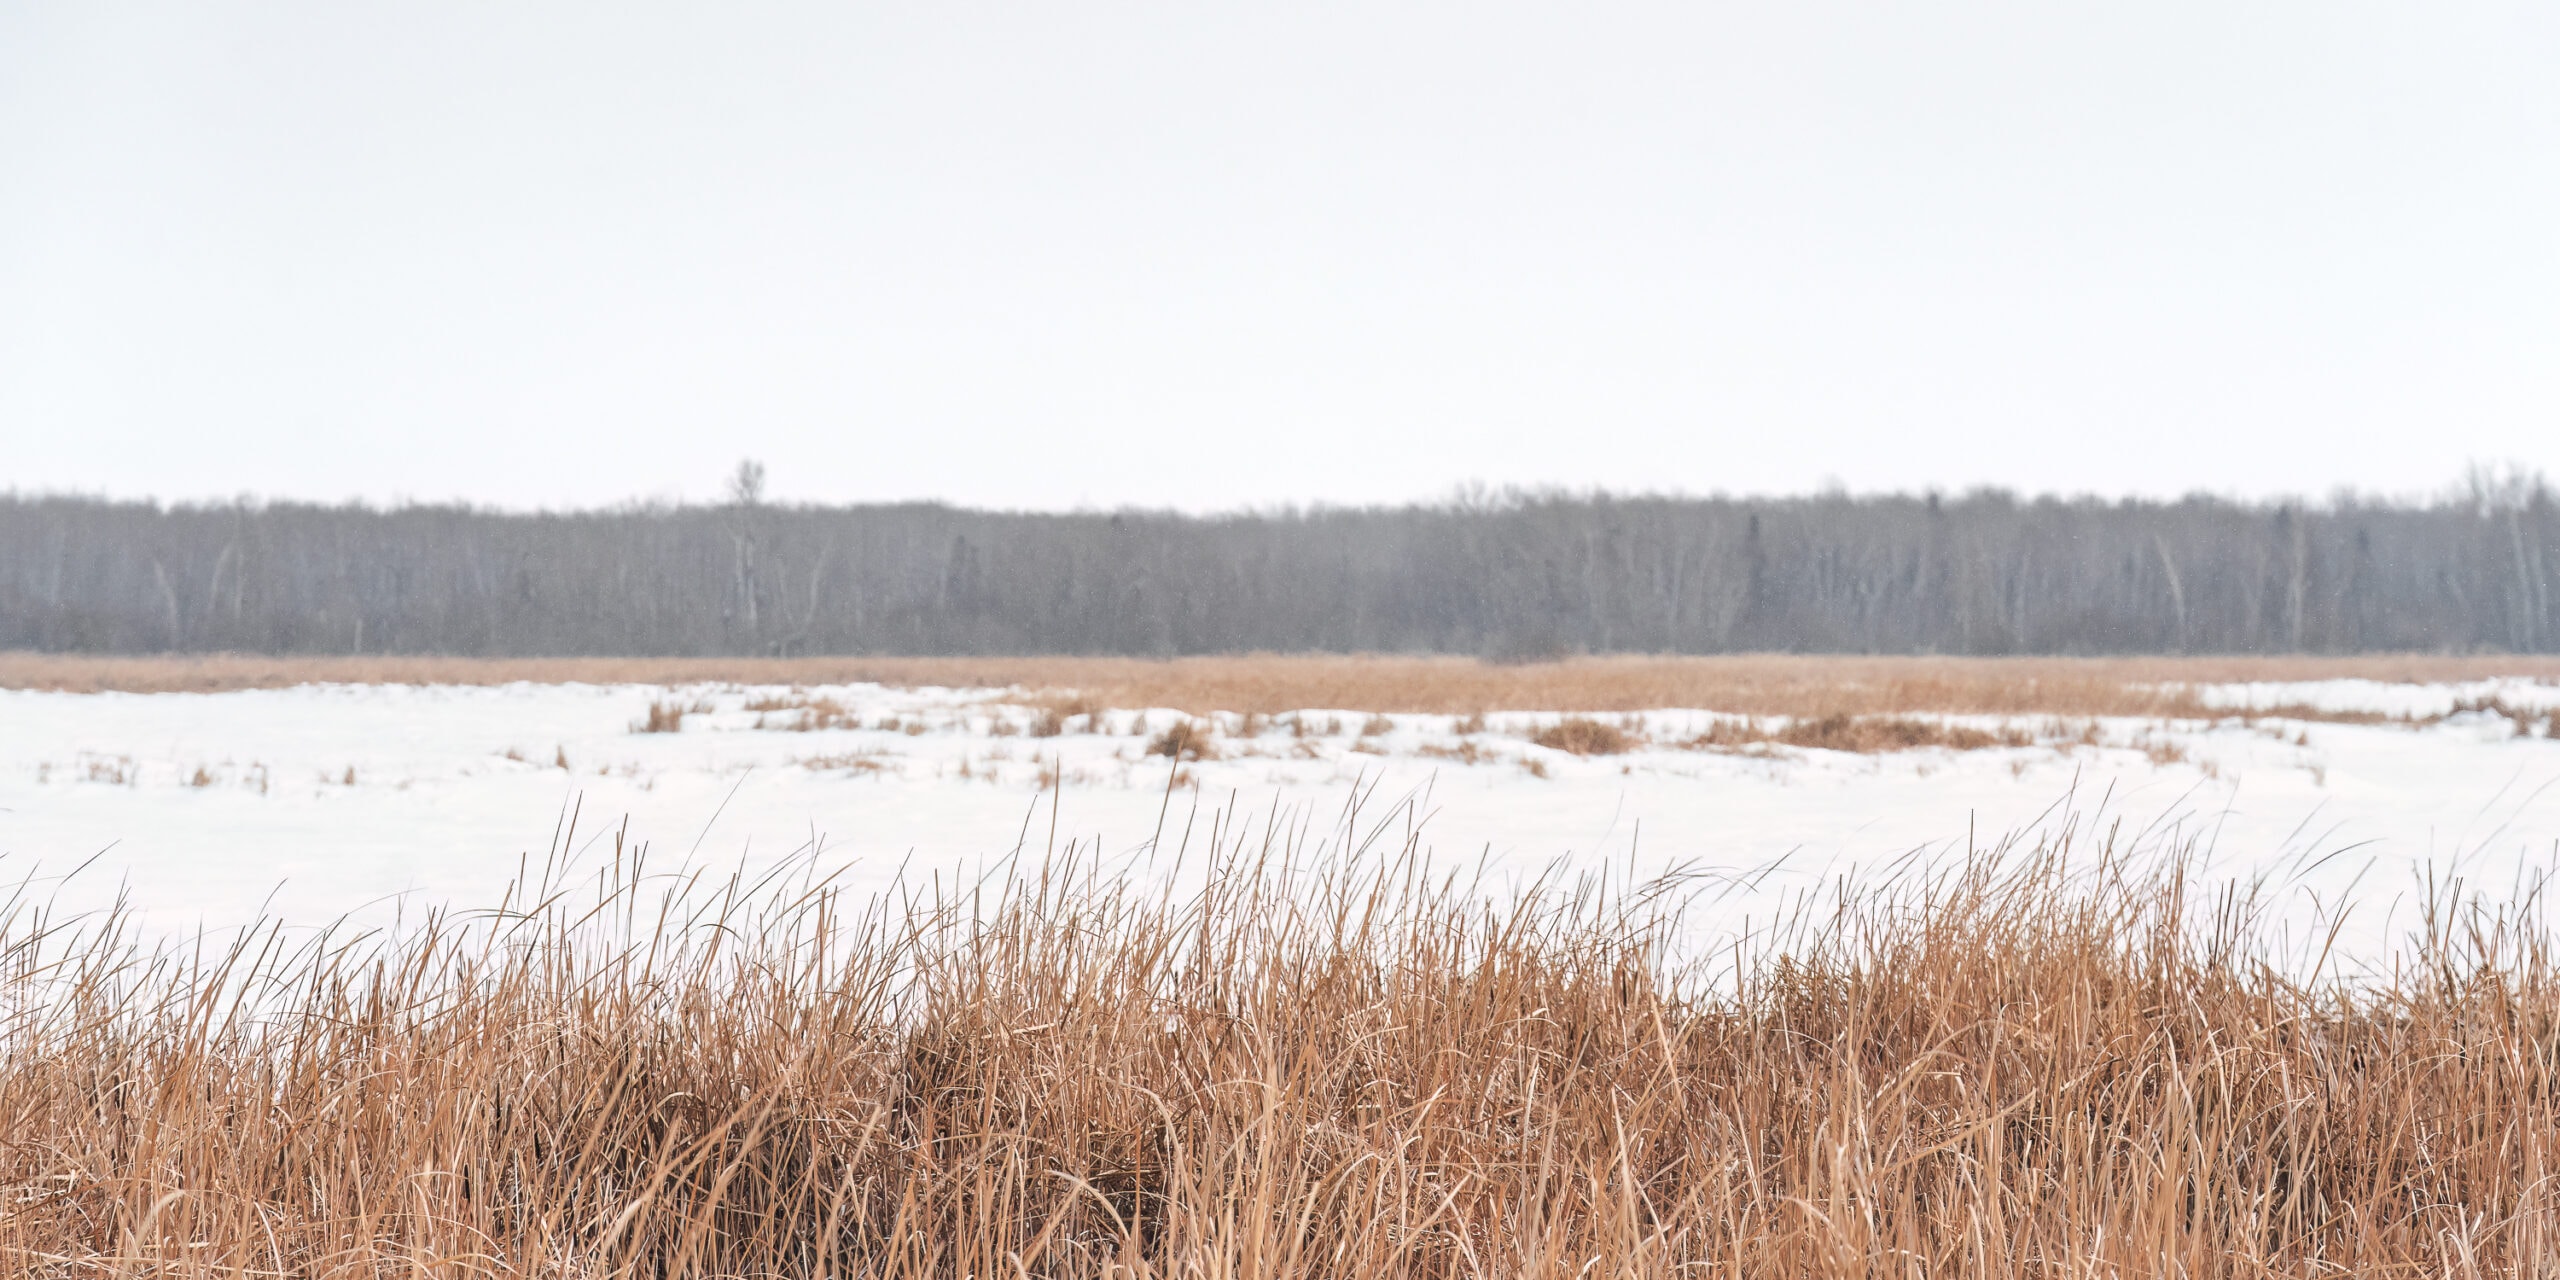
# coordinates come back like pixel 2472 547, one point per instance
pixel 1749 684
pixel 1297 1067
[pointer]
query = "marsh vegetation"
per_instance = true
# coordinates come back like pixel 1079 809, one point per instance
pixel 1318 1059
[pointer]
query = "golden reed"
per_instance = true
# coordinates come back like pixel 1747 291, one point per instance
pixel 1312 1058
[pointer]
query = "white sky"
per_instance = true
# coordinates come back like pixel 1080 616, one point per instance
pixel 1200 256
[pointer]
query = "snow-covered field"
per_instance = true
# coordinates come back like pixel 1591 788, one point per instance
pixel 315 801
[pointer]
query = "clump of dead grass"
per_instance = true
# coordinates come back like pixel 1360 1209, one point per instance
pixel 2523 718
pixel 663 717
pixel 799 711
pixel 1863 735
pixel 1058 714
pixel 846 762
pixel 1186 740
pixel 1867 735
pixel 1584 736
pixel 1308 1067
pixel 1465 751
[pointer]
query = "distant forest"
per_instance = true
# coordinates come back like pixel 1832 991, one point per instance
pixel 1520 576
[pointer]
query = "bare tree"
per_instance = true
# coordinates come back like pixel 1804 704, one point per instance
pixel 746 484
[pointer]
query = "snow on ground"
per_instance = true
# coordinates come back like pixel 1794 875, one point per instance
pixel 207 809
pixel 2400 701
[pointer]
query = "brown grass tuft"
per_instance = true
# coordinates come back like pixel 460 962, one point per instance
pixel 849 761
pixel 1187 740
pixel 1584 736
pixel 802 712
pixel 1871 734
pixel 2521 717
pixel 664 717
pixel 1466 752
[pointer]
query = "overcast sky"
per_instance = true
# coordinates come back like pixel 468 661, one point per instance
pixel 1203 256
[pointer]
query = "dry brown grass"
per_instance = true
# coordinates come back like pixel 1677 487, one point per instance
pixel 1865 735
pixel 801 712
pixel 1584 736
pixel 846 761
pixel 663 717
pixel 1185 740
pixel 1771 685
pixel 667 716
pixel 1291 1074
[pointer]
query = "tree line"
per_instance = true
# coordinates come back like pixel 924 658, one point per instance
pixel 1523 575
